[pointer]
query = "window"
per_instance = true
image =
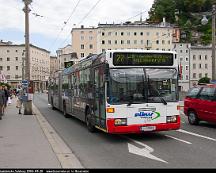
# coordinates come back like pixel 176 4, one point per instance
pixel 200 75
pixel 135 33
pixel 8 68
pixel 186 59
pixel 0 59
pixel 103 42
pixel 181 51
pixel 186 67
pixel 16 76
pixel 163 42
pixel 148 33
pixel 128 41
pixel 91 46
pixel 200 57
pixel 206 57
pixel 17 67
pixel 82 37
pixel 207 94
pixel 16 58
pixel 157 42
pixel 186 51
pixel 1 68
pixel 16 51
pixel 122 33
pixel 82 54
pixel 194 66
pixel 200 65
pixel 122 41
pixel 116 42
pixel 8 59
pixel 194 57
pixel 116 33
pixel 187 77
pixel 82 46
pixel 128 33
pixel 109 33
pixel 109 42
pixel 90 38
pixel 141 33
pixel 193 92
pixel 103 33
pixel 206 66
pixel 135 41
pixel 194 75
pixel 169 42
pixel 141 41
pixel 157 33
pixel 8 51
pixel 206 74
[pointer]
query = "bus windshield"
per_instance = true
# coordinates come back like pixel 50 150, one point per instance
pixel 140 85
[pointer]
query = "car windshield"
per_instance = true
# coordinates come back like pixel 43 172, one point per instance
pixel 139 85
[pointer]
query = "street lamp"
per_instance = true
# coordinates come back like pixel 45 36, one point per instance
pixel 204 21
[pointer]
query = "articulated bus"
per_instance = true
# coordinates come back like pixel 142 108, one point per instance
pixel 120 91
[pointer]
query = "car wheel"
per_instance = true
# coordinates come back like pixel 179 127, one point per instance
pixel 89 123
pixel 192 118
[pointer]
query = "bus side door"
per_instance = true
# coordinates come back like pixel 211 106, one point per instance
pixel 99 93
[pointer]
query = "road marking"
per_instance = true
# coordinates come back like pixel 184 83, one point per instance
pixel 181 140
pixel 195 134
pixel 144 152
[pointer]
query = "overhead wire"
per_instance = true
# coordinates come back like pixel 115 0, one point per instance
pixel 82 20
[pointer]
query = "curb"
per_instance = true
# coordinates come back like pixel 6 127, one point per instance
pixel 64 154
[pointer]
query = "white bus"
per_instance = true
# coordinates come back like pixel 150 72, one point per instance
pixel 121 91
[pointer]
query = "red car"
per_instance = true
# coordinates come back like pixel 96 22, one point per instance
pixel 200 104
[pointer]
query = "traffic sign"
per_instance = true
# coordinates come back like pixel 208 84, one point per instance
pixel 25 83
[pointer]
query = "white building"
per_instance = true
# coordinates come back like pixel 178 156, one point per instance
pixel 12 61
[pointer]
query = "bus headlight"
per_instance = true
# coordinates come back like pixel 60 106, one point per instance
pixel 120 122
pixel 172 119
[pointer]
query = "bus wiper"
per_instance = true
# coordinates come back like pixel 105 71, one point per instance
pixel 130 101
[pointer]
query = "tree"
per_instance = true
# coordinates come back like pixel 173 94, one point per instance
pixel 204 80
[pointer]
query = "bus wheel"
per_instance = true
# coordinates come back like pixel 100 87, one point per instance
pixel 64 111
pixel 53 108
pixel 192 118
pixel 89 124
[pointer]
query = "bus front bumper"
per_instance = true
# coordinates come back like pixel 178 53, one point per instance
pixel 141 128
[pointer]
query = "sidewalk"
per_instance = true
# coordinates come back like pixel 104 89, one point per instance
pixel 23 143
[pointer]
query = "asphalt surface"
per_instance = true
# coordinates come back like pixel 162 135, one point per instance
pixel 189 147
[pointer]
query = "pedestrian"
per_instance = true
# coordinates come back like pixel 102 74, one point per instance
pixel 2 101
pixel 7 94
pixel 20 100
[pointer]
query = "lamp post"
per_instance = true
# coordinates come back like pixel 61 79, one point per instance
pixel 204 21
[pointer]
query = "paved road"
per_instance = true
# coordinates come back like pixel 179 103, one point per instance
pixel 189 147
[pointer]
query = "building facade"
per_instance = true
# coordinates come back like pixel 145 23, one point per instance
pixel 65 55
pixel 128 35
pixel 201 63
pixel 12 61
pixel 54 64
pixel 183 55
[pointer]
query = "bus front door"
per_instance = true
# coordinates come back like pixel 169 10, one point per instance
pixel 99 105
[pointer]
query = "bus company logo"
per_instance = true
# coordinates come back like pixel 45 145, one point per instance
pixel 152 115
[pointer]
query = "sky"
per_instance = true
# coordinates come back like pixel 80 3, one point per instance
pixel 52 20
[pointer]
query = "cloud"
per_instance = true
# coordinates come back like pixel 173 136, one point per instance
pixel 56 12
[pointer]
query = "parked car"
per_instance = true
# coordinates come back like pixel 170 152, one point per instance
pixel 200 104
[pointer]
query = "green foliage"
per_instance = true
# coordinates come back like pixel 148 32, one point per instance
pixel 186 14
pixel 5 84
pixel 204 80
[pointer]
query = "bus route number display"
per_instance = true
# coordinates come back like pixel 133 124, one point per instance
pixel 142 59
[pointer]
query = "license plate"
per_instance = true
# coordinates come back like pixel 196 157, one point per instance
pixel 148 128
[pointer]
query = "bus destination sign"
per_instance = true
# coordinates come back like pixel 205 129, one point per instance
pixel 142 59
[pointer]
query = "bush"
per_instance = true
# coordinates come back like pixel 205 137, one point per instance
pixel 204 80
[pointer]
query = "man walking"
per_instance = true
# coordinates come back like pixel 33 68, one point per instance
pixel 2 101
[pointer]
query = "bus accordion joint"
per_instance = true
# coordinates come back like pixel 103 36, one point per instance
pixel 110 110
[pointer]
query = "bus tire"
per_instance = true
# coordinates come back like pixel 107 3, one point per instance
pixel 52 105
pixel 89 123
pixel 64 111
pixel 192 118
